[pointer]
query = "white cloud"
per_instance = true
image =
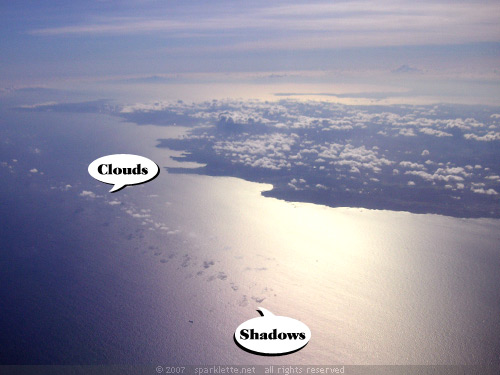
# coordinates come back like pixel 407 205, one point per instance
pixel 434 132
pixel 434 177
pixel 88 194
pixel 483 191
pixel 143 213
pixel 488 137
pixel 409 164
pixel 329 25
pixel 407 132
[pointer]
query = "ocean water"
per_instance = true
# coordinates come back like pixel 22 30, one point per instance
pixel 163 273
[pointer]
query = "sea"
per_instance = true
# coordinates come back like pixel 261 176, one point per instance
pixel 163 273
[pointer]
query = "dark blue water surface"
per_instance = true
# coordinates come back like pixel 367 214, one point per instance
pixel 163 273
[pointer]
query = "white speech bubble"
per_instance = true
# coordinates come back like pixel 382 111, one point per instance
pixel 271 334
pixel 122 170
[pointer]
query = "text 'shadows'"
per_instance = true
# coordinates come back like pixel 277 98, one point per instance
pixel 272 335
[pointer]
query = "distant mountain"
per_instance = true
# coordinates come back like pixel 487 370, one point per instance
pixel 406 69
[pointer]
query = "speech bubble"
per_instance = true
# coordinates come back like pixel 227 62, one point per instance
pixel 272 335
pixel 122 170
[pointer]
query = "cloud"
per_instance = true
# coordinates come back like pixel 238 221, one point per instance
pixel 308 26
pixel 490 136
pixel 262 151
pixel 411 165
pixel 141 214
pixel 88 194
pixel 437 133
pixel 484 191
pixel 435 176
pixel 360 161
pixel 407 132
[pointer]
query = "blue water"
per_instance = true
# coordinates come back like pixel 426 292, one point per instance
pixel 84 281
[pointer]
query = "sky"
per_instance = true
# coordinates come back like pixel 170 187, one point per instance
pixel 44 42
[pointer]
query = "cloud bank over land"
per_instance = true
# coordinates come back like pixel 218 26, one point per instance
pixel 433 159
